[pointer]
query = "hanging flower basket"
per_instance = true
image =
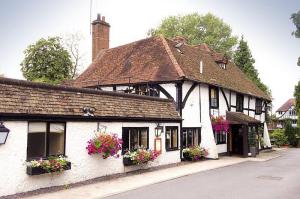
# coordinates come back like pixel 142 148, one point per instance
pixel 105 144
pixel 194 153
pixel 140 156
pixel 219 124
pixel 50 165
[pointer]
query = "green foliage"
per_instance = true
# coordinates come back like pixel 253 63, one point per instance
pixel 244 60
pixel 47 61
pixel 296 20
pixel 279 137
pixel 199 29
pixel 297 96
pixel 291 133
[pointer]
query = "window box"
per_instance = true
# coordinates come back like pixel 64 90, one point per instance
pixel 39 170
pixel 127 161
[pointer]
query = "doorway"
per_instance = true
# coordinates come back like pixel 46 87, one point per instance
pixel 237 139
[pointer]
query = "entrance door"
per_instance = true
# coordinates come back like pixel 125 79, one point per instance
pixel 237 139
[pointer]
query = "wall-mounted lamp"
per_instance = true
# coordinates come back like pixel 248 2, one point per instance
pixel 158 131
pixel 3 133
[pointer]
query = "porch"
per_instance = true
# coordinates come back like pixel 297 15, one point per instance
pixel 243 134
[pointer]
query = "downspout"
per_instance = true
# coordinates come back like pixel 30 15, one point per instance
pixel 179 108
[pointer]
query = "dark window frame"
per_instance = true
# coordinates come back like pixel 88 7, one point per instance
pixel 172 147
pixel 139 129
pixel 210 97
pixel 47 139
pixel 239 102
pixel 190 128
pixel 258 106
pixel 220 138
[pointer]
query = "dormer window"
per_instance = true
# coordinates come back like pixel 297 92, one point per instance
pixel 222 65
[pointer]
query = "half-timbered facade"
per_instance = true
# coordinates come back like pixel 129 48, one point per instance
pixel 287 112
pixel 201 82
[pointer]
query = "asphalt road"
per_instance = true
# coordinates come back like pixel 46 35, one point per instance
pixel 274 179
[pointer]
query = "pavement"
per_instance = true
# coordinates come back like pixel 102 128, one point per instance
pixel 134 182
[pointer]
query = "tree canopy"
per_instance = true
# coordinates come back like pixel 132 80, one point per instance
pixel 296 20
pixel 198 29
pixel 297 96
pixel 244 60
pixel 47 61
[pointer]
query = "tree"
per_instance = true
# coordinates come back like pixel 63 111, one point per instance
pixel 72 43
pixel 47 61
pixel 297 96
pixel 244 60
pixel 198 29
pixel 296 20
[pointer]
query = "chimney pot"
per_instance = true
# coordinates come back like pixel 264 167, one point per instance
pixel 98 17
pixel 103 18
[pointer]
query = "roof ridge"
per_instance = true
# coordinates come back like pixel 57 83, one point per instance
pixel 172 57
pixel 25 83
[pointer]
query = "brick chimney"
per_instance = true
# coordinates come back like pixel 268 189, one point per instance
pixel 100 35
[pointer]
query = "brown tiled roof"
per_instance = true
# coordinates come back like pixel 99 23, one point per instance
pixel 285 107
pixel 156 59
pixel 20 97
pixel 240 118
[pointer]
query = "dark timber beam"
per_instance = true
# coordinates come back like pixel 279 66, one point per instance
pixel 188 94
pixel 226 100
pixel 166 93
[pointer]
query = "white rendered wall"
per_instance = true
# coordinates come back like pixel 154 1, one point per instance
pixel 107 88
pixel 191 111
pixel 170 88
pixel 207 136
pixel 222 148
pixel 13 156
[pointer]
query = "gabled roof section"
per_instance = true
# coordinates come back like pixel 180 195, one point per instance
pixel 147 60
pixel 25 98
pixel 157 59
pixel 287 105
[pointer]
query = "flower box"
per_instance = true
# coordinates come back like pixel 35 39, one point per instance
pixel 127 161
pixel 39 170
pixel 194 153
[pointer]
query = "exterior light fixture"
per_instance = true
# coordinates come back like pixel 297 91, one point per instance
pixel 3 133
pixel 158 131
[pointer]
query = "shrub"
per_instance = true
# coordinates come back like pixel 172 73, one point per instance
pixel 279 137
pixel 141 156
pixel 195 152
pixel 105 144
pixel 292 134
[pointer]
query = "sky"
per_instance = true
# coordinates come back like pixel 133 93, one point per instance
pixel 265 24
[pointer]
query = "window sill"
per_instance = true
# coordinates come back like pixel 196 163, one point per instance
pixel 38 170
pixel 174 149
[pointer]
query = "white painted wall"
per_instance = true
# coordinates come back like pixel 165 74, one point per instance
pixel 222 148
pixel 191 111
pixel 207 136
pixel 170 88
pixel 13 156
pixel 107 88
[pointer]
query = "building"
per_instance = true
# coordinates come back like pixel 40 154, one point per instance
pixel 287 112
pixel 130 90
pixel 201 82
pixel 47 120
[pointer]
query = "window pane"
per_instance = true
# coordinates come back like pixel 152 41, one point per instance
pixel 184 141
pixel 134 139
pixel 174 138
pixel 57 139
pixel 144 138
pixel 36 145
pixel 168 138
pixel 190 137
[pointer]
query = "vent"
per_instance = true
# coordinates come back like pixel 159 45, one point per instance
pixel 201 67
